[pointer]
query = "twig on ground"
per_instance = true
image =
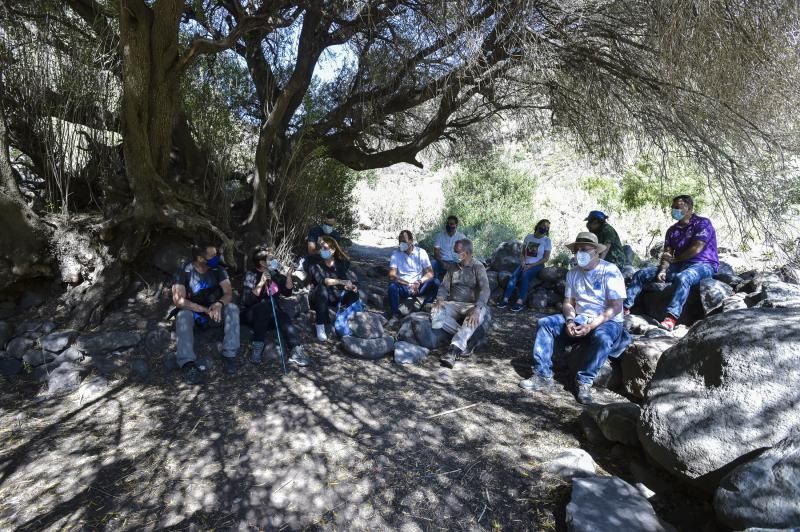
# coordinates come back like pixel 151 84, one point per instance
pixel 483 512
pixel 452 411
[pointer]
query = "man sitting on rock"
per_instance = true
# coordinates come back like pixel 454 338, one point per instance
pixel 202 294
pixel 597 223
pixel 328 228
pixel 443 246
pixel 410 274
pixel 460 307
pixel 690 255
pixel 591 312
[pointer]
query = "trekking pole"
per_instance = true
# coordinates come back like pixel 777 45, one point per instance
pixel 278 333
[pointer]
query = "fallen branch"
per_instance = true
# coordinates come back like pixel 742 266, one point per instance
pixel 452 411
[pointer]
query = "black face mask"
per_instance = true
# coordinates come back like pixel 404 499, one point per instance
pixel 542 231
pixel 450 229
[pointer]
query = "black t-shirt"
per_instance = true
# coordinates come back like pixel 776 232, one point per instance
pixel 316 232
pixel 201 288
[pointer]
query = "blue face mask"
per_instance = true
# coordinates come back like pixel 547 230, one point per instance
pixel 274 264
pixel 677 214
pixel 543 231
pixel 327 229
pixel 326 254
pixel 213 262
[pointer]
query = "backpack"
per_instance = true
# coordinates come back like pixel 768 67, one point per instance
pixel 340 324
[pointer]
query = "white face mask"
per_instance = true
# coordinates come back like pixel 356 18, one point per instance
pixel 583 258
pixel 403 246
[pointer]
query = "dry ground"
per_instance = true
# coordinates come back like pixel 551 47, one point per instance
pixel 345 444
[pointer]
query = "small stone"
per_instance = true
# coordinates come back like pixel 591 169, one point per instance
pixel 138 369
pixel 64 379
pixel 9 366
pixel 19 346
pixel 408 353
pixel 105 342
pixel 6 333
pixel 570 464
pixel 618 422
pixel 37 357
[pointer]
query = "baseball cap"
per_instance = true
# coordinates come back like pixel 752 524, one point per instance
pixel 600 215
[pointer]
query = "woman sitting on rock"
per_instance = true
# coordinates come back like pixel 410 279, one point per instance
pixel 262 286
pixel 535 253
pixel 333 284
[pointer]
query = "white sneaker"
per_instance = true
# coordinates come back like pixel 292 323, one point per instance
pixel 321 336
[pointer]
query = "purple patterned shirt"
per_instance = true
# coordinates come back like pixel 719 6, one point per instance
pixel 679 237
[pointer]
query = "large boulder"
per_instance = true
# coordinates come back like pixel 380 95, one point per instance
pixel 169 253
pixel 764 492
pixel 553 274
pixel 506 256
pixel 655 297
pixel 723 391
pixel 9 366
pixel 639 363
pixel 609 504
pixel 368 349
pixel 366 325
pixel 493 281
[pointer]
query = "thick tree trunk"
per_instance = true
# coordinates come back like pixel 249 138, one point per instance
pixel 24 238
pixel 149 39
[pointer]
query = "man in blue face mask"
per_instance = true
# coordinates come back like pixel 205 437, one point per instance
pixel 690 255
pixel 327 227
pixel 591 313
pixel 201 293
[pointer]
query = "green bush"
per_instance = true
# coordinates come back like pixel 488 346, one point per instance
pixel 645 183
pixel 493 201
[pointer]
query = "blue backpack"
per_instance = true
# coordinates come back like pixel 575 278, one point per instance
pixel 340 324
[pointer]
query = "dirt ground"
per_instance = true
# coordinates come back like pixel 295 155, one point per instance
pixel 342 445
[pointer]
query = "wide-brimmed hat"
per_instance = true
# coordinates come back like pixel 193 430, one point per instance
pixel 587 238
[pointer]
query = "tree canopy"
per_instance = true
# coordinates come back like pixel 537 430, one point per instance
pixel 226 117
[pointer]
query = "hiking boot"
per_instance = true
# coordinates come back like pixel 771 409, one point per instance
pixel 256 350
pixel 299 357
pixel 229 365
pixel 583 393
pixel 449 359
pixel 321 335
pixel 537 383
pixel 192 374
pixel 668 323
pixel 502 303
pixel 516 307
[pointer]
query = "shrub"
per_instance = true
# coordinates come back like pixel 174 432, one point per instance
pixel 493 201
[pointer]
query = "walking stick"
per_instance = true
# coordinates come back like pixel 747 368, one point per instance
pixel 278 332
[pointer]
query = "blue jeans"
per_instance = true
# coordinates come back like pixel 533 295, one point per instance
pixel 551 333
pixel 683 277
pixel 523 279
pixel 439 269
pixel 399 291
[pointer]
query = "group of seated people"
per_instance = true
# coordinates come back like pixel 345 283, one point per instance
pixel 454 287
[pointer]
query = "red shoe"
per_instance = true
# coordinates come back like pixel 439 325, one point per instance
pixel 669 323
